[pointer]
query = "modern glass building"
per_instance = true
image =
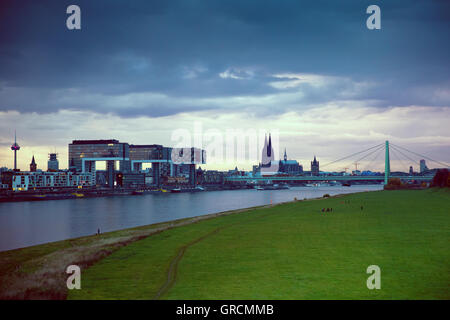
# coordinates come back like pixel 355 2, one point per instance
pixel 52 163
pixel 83 154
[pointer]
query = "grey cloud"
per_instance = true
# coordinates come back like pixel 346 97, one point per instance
pixel 145 46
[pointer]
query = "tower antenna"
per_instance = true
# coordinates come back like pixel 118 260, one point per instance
pixel 15 147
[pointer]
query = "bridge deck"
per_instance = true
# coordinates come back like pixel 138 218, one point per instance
pixel 326 178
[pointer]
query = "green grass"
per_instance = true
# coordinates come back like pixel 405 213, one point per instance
pixel 292 251
pixel 38 272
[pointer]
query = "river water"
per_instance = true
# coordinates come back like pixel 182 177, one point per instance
pixel 25 224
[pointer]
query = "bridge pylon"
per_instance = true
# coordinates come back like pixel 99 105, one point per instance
pixel 387 165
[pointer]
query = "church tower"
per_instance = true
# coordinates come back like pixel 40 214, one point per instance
pixel 315 167
pixel 33 166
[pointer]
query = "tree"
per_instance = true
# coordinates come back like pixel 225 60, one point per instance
pixel 441 179
pixel 395 182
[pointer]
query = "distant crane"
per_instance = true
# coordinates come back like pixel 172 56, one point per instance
pixel 356 165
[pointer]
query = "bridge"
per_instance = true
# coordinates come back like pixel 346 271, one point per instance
pixel 325 178
pixel 347 178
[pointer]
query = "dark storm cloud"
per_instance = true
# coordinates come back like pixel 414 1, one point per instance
pixel 194 50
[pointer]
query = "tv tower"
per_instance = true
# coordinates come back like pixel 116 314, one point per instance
pixel 15 147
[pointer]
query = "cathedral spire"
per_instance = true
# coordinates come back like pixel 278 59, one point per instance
pixel 267 151
pixel 33 166
pixel 285 155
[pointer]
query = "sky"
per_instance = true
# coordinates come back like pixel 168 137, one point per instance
pixel 310 72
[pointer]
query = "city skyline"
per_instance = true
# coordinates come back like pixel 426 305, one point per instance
pixel 397 164
pixel 313 72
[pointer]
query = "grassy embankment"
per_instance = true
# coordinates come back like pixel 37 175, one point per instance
pixel 289 251
pixel 38 272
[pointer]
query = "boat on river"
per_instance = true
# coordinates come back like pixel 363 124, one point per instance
pixel 180 190
pixel 272 187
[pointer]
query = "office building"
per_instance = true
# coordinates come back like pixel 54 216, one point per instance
pixel 52 163
pixel 83 155
pixel 23 181
pixel 423 166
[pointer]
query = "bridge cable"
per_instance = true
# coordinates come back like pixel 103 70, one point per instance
pixel 421 155
pixel 374 158
pixel 394 153
pixel 414 161
pixel 356 153
pixel 378 149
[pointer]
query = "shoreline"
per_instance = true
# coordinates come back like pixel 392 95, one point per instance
pixel 16 282
pixel 196 217
pixel 102 193
pixel 80 194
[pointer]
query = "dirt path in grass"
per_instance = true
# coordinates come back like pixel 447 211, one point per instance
pixel 38 272
pixel 172 273
pixel 173 268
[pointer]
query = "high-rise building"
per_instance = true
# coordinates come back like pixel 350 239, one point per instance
pixel 33 166
pixel 315 167
pixel 52 164
pixel 83 155
pixel 15 147
pixel 72 167
pixel 86 152
pixel 423 166
pixel 411 170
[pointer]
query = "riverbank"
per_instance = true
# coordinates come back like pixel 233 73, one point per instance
pixel 287 251
pixel 24 224
pixel 86 193
pixel 37 272
pixel 75 193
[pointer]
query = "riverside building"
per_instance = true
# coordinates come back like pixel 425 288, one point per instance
pixel 27 180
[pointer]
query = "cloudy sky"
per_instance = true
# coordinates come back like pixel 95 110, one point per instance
pixel 310 71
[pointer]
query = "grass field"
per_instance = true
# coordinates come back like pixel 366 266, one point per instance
pixel 290 251
pixel 38 272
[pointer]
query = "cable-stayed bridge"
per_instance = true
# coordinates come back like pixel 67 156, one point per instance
pixel 390 150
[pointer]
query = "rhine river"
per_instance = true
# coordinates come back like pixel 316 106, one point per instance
pixel 25 224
